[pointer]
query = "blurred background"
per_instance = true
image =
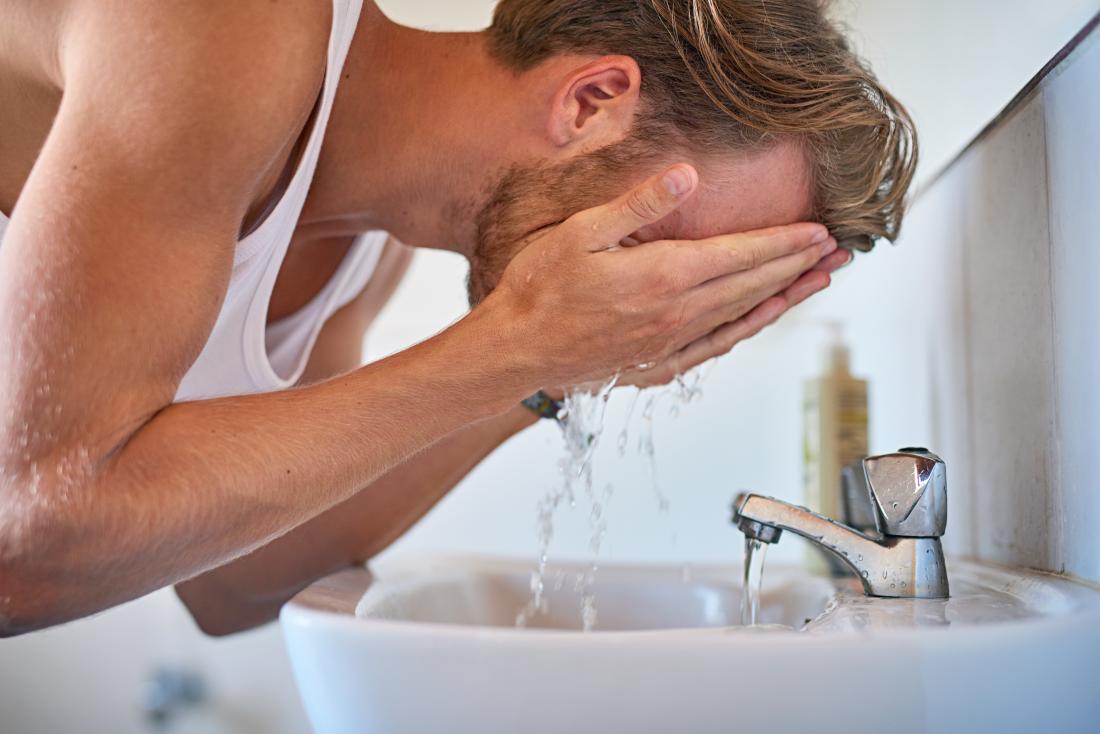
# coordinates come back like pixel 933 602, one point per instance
pixel 955 64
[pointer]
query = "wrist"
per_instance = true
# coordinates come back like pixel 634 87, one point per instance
pixel 520 417
pixel 489 342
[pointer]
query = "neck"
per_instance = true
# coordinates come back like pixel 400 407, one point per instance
pixel 414 135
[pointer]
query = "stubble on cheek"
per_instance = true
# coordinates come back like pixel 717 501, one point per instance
pixel 505 225
pixel 528 198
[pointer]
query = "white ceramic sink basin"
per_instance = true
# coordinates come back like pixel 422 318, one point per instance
pixel 431 646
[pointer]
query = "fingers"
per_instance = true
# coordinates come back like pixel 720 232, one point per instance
pixel 727 298
pixel 714 344
pixel 809 284
pixel 648 202
pixel 724 338
pixel 834 262
pixel 716 257
pixel 721 340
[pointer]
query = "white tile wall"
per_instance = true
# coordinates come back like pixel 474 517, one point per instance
pixel 1017 404
pixel 1072 105
pixel 1004 234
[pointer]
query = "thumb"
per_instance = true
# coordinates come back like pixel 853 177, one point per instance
pixel 648 202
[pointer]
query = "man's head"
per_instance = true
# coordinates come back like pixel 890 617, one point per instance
pixel 765 97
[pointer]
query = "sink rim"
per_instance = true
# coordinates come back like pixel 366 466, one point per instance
pixel 332 601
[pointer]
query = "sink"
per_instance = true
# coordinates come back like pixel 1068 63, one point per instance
pixel 430 645
pixel 488 593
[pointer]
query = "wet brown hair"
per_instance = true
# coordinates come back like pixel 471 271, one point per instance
pixel 721 75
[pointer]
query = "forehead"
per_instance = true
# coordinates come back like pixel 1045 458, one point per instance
pixel 741 192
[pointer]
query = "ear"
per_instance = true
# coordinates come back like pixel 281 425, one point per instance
pixel 595 104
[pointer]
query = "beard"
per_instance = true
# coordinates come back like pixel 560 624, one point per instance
pixel 527 198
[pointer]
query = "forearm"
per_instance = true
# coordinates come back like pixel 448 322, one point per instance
pixel 250 590
pixel 202 483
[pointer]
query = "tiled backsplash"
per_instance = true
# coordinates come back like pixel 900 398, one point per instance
pixel 1013 327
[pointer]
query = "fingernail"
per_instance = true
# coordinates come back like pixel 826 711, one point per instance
pixel 821 236
pixel 828 247
pixel 677 181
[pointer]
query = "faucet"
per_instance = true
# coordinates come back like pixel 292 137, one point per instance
pixel 907 495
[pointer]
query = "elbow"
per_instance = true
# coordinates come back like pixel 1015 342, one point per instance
pixel 32 596
pixel 207 616
pixel 218 612
pixel 25 606
pixel 211 625
pixel 13 625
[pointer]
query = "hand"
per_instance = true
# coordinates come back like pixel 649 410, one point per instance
pixel 726 337
pixel 586 307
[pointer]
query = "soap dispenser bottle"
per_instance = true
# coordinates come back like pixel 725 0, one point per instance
pixel 834 413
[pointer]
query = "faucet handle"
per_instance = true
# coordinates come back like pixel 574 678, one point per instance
pixel 909 489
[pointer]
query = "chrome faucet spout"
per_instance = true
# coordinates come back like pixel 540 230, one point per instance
pixel 905 559
pixel 897 567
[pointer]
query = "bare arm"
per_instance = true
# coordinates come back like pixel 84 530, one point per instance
pixel 250 590
pixel 114 267
pixel 111 276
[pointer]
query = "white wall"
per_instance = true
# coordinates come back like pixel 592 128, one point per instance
pixel 955 64
pixel 1072 117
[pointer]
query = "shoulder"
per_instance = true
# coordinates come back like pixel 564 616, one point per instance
pixel 261 58
pixel 227 83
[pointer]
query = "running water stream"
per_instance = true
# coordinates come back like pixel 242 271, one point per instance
pixel 582 423
pixel 755 552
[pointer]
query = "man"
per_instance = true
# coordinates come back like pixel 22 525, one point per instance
pixel 183 294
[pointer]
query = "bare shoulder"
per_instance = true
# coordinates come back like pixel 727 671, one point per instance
pixel 281 38
pixel 194 70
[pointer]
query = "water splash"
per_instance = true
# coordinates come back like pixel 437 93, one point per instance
pixel 624 434
pixel 648 449
pixel 582 425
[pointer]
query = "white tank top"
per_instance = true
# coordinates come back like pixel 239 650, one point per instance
pixel 243 353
